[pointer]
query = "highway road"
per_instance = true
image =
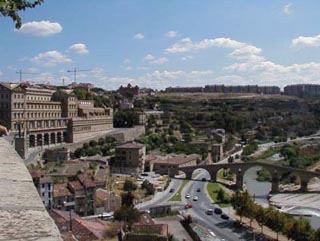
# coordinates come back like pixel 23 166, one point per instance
pixel 220 227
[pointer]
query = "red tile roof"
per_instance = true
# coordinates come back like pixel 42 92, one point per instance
pixel 61 190
pixel 102 194
pixel 86 181
pixel 88 230
pixel 75 186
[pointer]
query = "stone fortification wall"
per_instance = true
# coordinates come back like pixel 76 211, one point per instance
pixel 22 214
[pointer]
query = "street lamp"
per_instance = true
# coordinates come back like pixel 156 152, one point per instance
pixel 65 204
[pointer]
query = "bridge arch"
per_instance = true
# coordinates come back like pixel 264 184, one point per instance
pixel 313 184
pixel 196 172
pixel 225 175
pixel 291 181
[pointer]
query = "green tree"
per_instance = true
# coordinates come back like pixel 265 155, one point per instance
pixel 221 195
pixel 125 118
pixel 316 235
pixel 260 216
pixel 129 186
pixel 230 159
pixel 10 8
pixel 127 199
pixel 128 214
pixel 148 187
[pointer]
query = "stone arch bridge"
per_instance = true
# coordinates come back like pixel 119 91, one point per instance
pixel 241 167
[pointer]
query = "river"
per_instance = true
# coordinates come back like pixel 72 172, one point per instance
pixel 260 190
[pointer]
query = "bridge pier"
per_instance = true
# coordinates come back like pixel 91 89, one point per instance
pixel 304 186
pixel 275 183
pixel 189 175
pixel 239 182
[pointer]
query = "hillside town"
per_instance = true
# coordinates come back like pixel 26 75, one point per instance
pixel 127 120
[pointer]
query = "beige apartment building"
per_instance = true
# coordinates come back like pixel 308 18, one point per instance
pixel 129 158
pixel 46 116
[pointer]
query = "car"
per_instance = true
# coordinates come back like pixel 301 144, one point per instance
pixel 217 211
pixel 209 211
pixel 188 205
pixel 195 198
pixel 144 174
pixel 171 190
pixel 224 216
pixel 198 190
pixel 204 179
pixel 187 196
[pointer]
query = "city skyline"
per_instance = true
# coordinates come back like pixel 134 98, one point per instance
pixel 161 44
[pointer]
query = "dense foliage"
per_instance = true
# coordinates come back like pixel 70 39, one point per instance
pixel 254 118
pixel 104 147
pixel 10 8
pixel 125 118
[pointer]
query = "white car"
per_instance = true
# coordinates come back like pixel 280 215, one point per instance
pixel 195 198
pixel 187 196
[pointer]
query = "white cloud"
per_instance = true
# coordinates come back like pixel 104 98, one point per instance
pixel 152 60
pixel 79 48
pixel 51 58
pixel 142 68
pixel 242 51
pixel 1 73
pixel 128 68
pixel 138 36
pixel 171 34
pixel 161 60
pixel 42 28
pixel 149 57
pixel 97 70
pixel 302 41
pixel 127 61
pixel 287 9
pixel 188 57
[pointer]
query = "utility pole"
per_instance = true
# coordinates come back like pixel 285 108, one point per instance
pixel 75 70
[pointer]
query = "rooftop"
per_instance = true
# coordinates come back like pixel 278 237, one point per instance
pixel 75 186
pixel 172 159
pixel 61 190
pixel 131 145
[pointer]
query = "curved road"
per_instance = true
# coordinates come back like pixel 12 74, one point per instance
pixel 220 227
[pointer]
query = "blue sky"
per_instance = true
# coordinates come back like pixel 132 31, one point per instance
pixel 164 43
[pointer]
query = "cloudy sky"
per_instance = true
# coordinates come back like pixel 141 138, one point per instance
pixel 164 43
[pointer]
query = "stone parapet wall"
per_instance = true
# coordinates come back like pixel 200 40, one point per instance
pixel 22 213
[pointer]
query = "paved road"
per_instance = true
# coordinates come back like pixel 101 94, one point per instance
pixel 161 198
pixel 221 228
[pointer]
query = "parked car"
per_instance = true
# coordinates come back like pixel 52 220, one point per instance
pixel 195 198
pixel 171 190
pixel 209 211
pixel 187 196
pixel 188 205
pixel 224 216
pixel 217 211
pixel 198 190
pixel 144 174
pixel 204 179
